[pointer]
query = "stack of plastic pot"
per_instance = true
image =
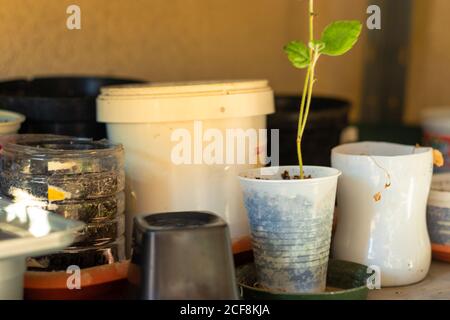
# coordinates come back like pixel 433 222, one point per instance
pixel 77 178
pixel 57 104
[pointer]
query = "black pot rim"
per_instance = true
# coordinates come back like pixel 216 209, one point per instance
pixel 56 98
pixel 57 78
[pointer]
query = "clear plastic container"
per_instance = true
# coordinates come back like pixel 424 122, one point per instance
pixel 100 232
pixel 43 154
pixel 76 178
pixel 62 187
pixel 58 168
pixel 89 211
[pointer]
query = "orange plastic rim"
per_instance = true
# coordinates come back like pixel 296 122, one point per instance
pixel 100 274
pixel 441 252
pixel 89 276
pixel 242 245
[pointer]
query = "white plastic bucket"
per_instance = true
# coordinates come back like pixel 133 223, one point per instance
pixel 148 119
pixel 382 198
pixel 10 122
pixel 436 130
pixel 291 223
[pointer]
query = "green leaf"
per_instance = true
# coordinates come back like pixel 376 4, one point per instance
pixel 298 54
pixel 340 36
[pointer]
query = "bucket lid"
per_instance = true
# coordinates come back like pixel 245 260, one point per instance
pixel 184 101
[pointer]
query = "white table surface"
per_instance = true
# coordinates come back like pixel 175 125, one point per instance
pixel 435 286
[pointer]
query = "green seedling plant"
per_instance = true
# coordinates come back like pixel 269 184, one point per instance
pixel 336 39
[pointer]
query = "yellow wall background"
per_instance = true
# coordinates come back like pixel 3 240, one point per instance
pixel 172 40
pixel 429 66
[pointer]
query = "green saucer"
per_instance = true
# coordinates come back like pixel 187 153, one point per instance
pixel 345 281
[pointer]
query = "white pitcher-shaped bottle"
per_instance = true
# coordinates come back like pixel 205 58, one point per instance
pixel 382 198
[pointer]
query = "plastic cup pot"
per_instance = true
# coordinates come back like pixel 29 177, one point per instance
pixel 290 222
pixel 382 199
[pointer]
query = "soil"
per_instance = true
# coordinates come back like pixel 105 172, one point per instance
pixel 101 232
pixel 89 211
pixel 74 187
pixel 286 176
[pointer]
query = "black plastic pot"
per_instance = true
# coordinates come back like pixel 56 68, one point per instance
pixel 181 255
pixel 58 105
pixel 327 118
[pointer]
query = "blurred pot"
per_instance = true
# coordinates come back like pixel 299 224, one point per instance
pixel 438 216
pixel 326 121
pixel 436 133
pixel 96 283
pixel 10 122
pixel 59 105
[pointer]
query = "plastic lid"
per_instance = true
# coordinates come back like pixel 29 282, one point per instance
pixel 184 101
